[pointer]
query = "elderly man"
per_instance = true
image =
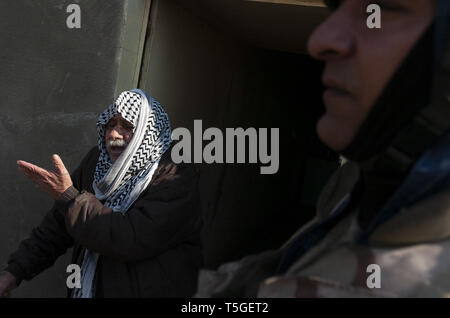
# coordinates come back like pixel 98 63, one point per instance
pixel 131 215
pixel 383 220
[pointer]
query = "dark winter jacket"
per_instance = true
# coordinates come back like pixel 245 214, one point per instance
pixel 153 250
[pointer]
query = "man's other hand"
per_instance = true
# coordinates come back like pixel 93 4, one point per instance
pixel 53 182
pixel 7 283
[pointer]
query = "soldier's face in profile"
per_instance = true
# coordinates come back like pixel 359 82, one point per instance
pixel 359 61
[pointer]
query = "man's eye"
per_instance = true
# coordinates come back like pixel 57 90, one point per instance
pixel 127 128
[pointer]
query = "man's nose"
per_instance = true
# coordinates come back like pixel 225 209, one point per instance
pixel 116 132
pixel 334 38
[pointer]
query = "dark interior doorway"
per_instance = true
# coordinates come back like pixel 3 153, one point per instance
pixel 243 64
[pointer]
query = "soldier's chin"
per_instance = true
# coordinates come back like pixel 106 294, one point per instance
pixel 335 132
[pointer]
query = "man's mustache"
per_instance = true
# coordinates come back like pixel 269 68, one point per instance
pixel 117 143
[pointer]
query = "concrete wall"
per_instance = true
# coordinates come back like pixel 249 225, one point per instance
pixel 54 82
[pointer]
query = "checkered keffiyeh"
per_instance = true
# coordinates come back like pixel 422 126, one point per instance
pixel 116 183
pixel 120 183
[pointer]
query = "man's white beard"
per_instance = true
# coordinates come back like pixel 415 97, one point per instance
pixel 117 143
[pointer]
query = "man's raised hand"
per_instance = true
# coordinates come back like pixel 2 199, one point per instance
pixel 53 182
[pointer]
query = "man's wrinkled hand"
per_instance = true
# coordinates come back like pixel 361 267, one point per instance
pixel 7 283
pixel 53 182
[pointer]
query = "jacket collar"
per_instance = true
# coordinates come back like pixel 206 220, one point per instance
pixel 421 205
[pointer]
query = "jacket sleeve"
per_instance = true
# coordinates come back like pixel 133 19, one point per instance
pixel 165 216
pixel 45 244
pixel 41 249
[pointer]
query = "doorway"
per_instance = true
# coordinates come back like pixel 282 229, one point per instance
pixel 240 63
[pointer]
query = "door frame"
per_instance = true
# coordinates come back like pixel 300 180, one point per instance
pixel 132 42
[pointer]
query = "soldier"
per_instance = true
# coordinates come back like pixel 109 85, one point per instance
pixel 383 220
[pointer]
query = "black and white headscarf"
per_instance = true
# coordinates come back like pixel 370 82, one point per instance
pixel 120 183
